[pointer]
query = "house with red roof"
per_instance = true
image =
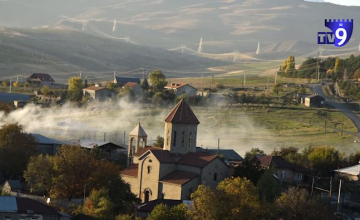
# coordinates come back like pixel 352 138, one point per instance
pixel 134 87
pixel 177 169
pixel 182 88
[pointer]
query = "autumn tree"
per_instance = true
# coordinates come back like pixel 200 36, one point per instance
pixel 5 107
pixel 297 204
pixel 325 159
pixel 16 148
pixel 39 173
pixel 277 88
pixel 233 198
pixel 73 168
pixel 289 154
pixel 164 212
pixel 75 89
pixel 357 74
pixel 157 81
pixel 99 205
pixel 46 90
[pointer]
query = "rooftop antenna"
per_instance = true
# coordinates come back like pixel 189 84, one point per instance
pixel 114 26
pixel 258 49
pixel 200 50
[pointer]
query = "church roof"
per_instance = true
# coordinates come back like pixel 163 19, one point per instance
pixel 138 131
pixel 198 159
pixel 163 156
pixel 183 114
pixel 131 170
pixel 141 151
pixel 179 177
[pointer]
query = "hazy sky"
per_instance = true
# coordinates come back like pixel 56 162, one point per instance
pixel 345 2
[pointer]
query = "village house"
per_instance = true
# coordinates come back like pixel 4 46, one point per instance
pixel 177 169
pixel 41 79
pixel 314 101
pixel 46 145
pixel 19 208
pixel 97 93
pixel 135 88
pixel 181 89
pixel 284 170
pixel 349 173
pixel 15 99
pixel 121 81
pixel 12 186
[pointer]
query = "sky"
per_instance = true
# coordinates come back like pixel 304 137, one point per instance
pixel 340 2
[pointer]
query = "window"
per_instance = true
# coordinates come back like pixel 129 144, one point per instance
pixel 190 138
pixel 174 141
pixel 167 138
pixel 215 176
pixel 182 139
pixel 283 174
pixel 298 176
pixel 149 169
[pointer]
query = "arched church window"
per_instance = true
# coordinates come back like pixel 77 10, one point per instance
pixel 190 139
pixel 174 142
pixel 149 169
pixel 182 139
pixel 168 138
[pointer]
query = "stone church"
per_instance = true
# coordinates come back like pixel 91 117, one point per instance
pixel 176 170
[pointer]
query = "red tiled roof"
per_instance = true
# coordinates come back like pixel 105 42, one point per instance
pixel 131 170
pixel 130 84
pixel 175 85
pixel 198 159
pixel 179 177
pixel 279 162
pixel 163 156
pixel 94 88
pixel 143 150
pixel 41 77
pixel 182 113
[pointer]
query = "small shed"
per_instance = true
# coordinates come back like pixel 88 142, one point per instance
pixel 350 173
pixel 12 186
pixel 314 100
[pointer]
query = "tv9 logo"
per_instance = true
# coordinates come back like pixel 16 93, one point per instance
pixel 341 32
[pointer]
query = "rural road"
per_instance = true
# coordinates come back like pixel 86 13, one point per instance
pixel 338 105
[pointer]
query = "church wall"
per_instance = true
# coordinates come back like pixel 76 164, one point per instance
pixel 171 191
pixel 134 184
pixel 150 167
pixel 189 188
pixel 182 138
pixel 214 168
pixel 166 168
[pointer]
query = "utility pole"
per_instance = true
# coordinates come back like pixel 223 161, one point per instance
pixel 267 85
pixel 325 125
pixel 317 65
pixel 124 136
pixel 218 146
pixel 339 196
pixel 10 85
pixel 244 79
pixel 330 191
pixel 312 186
pixel 80 74
pixel 276 76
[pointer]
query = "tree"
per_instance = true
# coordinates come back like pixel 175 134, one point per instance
pixel 16 148
pixel 75 89
pixel 255 152
pixel 288 153
pixel 73 167
pixel 249 168
pixel 159 142
pixel 5 107
pixel 277 88
pixel 39 173
pixel 269 187
pixel 357 74
pixel 164 212
pixel 325 159
pixel 145 84
pixel 157 81
pixel 297 204
pixel 234 198
pixel 99 205
pixel 45 90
